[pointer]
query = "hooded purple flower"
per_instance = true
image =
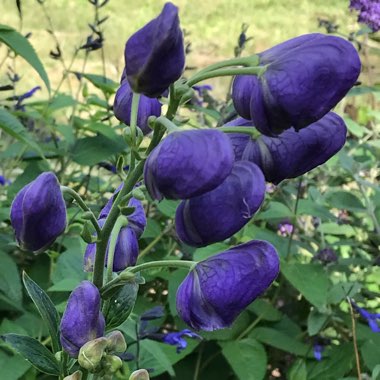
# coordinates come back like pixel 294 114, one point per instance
pixel 188 163
pixel 219 288
pixel 126 251
pixel 218 214
pixel 155 55
pixel 123 104
pixel 82 320
pixel 239 140
pixel 304 78
pixel 294 153
pixel 38 213
pixel 176 339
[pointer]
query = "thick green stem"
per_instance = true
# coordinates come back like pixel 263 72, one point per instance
pixel 121 222
pixel 257 70
pixel 165 122
pixel 161 264
pixel 133 126
pixel 247 130
pixel 83 206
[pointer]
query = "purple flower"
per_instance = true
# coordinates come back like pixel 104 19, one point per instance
pixel 176 338
pixel 21 98
pixel 317 351
pixel 200 89
pixel 326 256
pixel 239 140
pixel 304 78
pixel 219 288
pixel 82 320
pixel 369 12
pixel 373 319
pixel 292 153
pixel 38 213
pixel 4 181
pixel 188 163
pixel 123 105
pixel 285 228
pixel 220 213
pixel 155 55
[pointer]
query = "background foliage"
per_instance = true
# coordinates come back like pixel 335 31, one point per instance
pixel 71 131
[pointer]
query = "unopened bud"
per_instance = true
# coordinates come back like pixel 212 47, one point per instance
pixel 91 354
pixel 77 375
pixel 140 374
pixel 138 194
pixel 116 342
pixel 112 363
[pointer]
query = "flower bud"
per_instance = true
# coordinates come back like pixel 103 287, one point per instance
pixel 123 105
pixel 219 288
pixel 292 153
pixel 116 342
pixel 188 163
pixel 91 354
pixel 218 214
pixel 77 375
pixel 112 363
pixel 82 320
pixel 304 78
pixel 140 374
pixel 38 213
pixel 155 55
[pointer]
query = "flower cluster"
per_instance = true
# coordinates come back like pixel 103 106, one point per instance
pixel 369 12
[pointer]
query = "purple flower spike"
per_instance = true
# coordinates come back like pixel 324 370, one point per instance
pixel 218 214
pixel 219 288
pixel 147 107
pixel 239 140
pixel 188 163
pixel 294 153
pixel 304 78
pixel 176 338
pixel 82 320
pixel 155 55
pixel 38 213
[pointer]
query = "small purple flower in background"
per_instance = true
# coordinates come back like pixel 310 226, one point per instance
pixel 369 12
pixel 270 188
pixel 373 319
pixel 19 106
pixel 200 89
pixel 110 167
pixel 176 338
pixel 326 256
pixel 285 228
pixel 319 346
pixel 4 181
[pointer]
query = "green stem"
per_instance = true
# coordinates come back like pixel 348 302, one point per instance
pixel 247 130
pixel 165 122
pixel 133 125
pixel 250 327
pixel 121 222
pixel 83 206
pixel 148 248
pixel 256 70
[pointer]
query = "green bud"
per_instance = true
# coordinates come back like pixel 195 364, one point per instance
pixel 140 136
pixel 91 354
pixel 189 94
pixel 138 194
pixel 116 342
pixel 126 210
pixel 77 375
pixel 127 276
pixel 58 355
pixel 140 374
pixel 86 233
pixel 112 363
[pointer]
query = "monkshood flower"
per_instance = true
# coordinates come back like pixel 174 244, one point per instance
pixel 82 320
pixel 38 213
pixel 239 140
pixel 155 55
pixel 285 228
pixel 126 250
pixel 304 78
pixel 292 153
pixel 373 319
pixel 369 12
pixel 123 105
pixel 219 288
pixel 188 163
pixel 220 213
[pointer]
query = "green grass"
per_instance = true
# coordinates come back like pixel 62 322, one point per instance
pixel 214 26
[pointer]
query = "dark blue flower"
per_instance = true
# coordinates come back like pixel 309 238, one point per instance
pixel 21 98
pixel 373 319
pixel 4 181
pixel 176 338
pixel 317 351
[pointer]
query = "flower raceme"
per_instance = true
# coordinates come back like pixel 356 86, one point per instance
pixel 188 163
pixel 38 213
pixel 123 105
pixel 304 78
pixel 82 320
pixel 216 215
pixel 155 54
pixel 219 288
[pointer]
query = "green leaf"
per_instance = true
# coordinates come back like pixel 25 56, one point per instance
pixel 12 126
pixel 315 322
pixel 340 291
pixel 33 351
pixel 298 370
pixel 205 252
pixel 370 352
pixel 168 207
pixel 265 310
pixel 10 282
pixel 276 210
pixel 310 280
pixel 345 200
pixel 21 46
pixel 247 358
pixel 104 84
pixel 12 366
pixel 337 229
pixel 376 373
pixel 355 128
pixel 46 309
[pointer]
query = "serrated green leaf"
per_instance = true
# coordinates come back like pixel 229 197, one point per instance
pixel 33 351
pixel 21 46
pixel 247 358
pixel 12 126
pixel 46 309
